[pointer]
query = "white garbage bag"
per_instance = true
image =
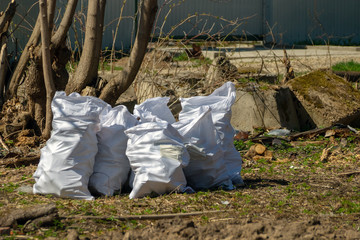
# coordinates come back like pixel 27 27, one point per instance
pixel 67 160
pixel 157 155
pixel 220 102
pixel 112 166
pixel 206 168
pixel 154 110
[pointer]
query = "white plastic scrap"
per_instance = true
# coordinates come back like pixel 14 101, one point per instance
pixel 112 166
pixel 157 155
pixel 206 168
pixel 154 110
pixel 67 160
pixel 220 102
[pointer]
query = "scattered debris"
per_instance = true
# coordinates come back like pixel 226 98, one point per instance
pixel 259 151
pixel 195 52
pixel 325 155
pixel 33 216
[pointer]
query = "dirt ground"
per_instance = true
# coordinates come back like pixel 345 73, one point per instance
pixel 309 189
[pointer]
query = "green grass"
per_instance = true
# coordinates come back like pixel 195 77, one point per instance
pixel 196 61
pixel 347 66
pixel 105 66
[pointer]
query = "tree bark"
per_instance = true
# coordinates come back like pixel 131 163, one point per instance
pixel 46 60
pixel 25 56
pixel 5 20
pixel 6 17
pixel 3 68
pixel 23 61
pixel 60 35
pixel 117 86
pixel 86 71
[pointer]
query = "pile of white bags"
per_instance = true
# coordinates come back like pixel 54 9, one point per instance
pixel 220 102
pixel 93 148
pixel 67 160
pixel 207 167
pixel 112 166
pixel 157 155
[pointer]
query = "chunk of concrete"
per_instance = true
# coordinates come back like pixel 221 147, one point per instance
pixel 327 98
pixel 271 108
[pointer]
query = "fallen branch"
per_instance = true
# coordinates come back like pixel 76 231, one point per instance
pixel 142 217
pixel 26 161
pixel 23 215
pixel 349 173
pixel 3 144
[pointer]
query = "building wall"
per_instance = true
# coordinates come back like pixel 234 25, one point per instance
pixel 213 17
pixel 295 21
pixel 299 21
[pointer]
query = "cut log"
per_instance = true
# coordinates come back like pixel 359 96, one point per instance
pixel 259 149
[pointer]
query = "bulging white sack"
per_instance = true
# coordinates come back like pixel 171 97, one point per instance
pixel 67 160
pixel 206 168
pixel 154 110
pixel 220 102
pixel 157 155
pixel 112 166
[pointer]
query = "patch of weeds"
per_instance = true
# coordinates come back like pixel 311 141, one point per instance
pixel 201 61
pixel 9 187
pixel 197 62
pixel 308 211
pixel 281 203
pixel 348 207
pixel 50 233
pixel 105 66
pixel 148 211
pixel 181 57
pixel 205 218
pixel 290 191
pixel 132 224
pixel 243 145
pixel 246 80
pixel 347 66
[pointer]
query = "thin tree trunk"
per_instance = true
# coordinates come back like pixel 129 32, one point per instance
pixel 3 70
pixel 23 61
pixel 46 59
pixel 6 17
pixel 50 14
pixel 60 35
pixel 117 86
pixel 89 61
pixel 99 37
pixel 25 56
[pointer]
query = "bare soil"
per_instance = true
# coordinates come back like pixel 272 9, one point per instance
pixel 308 190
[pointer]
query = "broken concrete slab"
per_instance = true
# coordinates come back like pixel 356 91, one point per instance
pixel 271 108
pixel 327 98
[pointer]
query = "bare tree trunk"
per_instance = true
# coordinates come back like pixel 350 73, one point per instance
pixel 3 68
pixel 86 71
pixel 117 86
pixel 6 17
pixel 60 35
pixel 25 56
pixel 23 61
pixel 100 29
pixel 5 20
pixel 49 83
